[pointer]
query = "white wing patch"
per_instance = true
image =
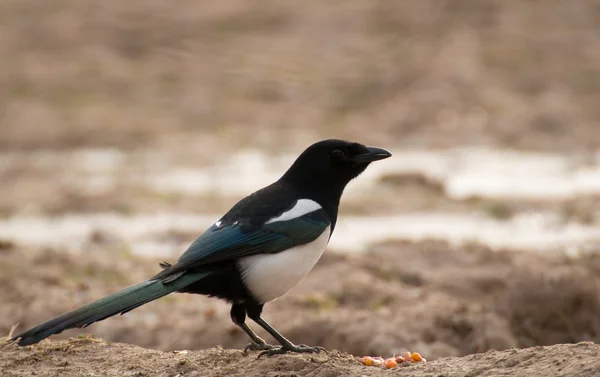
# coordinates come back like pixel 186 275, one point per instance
pixel 269 276
pixel 302 207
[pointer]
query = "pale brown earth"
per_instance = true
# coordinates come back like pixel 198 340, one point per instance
pixel 187 85
pixel 428 297
pixel 93 357
pixel 203 76
pixel 181 86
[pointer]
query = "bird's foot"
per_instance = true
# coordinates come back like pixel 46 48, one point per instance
pixel 259 346
pixel 301 348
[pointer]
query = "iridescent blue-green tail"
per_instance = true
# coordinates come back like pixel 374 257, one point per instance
pixel 118 302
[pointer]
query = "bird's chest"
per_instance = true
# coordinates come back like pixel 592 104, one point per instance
pixel 269 276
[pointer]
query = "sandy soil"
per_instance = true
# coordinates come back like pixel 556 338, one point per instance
pixel 91 357
pixel 179 87
pixel 427 297
pixel 222 76
pixel 151 180
pixel 184 86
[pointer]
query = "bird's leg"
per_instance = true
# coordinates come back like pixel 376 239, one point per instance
pixel 238 316
pixel 254 312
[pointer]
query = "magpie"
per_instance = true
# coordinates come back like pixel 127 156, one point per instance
pixel 254 254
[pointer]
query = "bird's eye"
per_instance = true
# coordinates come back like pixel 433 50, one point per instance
pixel 337 154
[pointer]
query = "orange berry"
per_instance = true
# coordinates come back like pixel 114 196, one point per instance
pixel 407 356
pixel 390 363
pixel 400 359
pixel 367 360
pixel 416 357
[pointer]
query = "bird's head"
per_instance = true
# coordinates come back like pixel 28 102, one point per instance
pixel 333 163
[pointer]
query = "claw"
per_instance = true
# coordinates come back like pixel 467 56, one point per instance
pixel 298 349
pixel 258 347
pixel 316 348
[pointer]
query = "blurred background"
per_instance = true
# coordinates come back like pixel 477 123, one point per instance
pixel 127 128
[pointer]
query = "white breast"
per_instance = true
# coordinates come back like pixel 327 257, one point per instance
pixel 269 276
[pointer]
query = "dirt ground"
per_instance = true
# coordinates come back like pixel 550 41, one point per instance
pixel 91 357
pixel 429 297
pixel 222 76
pixel 201 80
pixel 167 87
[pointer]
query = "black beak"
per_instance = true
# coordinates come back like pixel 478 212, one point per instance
pixel 373 154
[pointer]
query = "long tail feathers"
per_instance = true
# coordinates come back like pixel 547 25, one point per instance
pixel 118 302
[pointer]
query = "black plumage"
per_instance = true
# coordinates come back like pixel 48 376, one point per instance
pixel 228 261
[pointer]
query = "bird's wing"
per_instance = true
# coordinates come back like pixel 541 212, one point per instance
pixel 223 242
